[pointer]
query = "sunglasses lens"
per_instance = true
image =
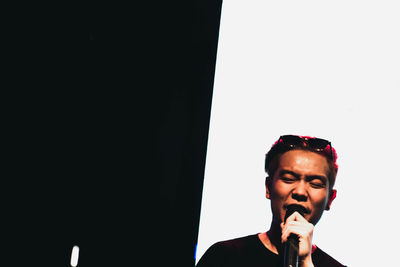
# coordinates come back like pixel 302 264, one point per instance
pixel 291 140
pixel 316 144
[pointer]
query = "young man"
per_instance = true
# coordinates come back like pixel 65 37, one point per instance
pixel 301 172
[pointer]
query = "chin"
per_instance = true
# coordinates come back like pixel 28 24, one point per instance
pixel 314 221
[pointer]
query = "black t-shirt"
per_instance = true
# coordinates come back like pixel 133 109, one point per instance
pixel 249 251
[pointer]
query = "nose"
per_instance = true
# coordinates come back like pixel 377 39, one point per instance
pixel 299 193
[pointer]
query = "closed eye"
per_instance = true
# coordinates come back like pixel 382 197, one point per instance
pixel 288 179
pixel 317 183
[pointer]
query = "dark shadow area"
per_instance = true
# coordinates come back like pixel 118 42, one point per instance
pixel 108 134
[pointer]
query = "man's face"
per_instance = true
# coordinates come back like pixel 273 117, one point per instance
pixel 301 178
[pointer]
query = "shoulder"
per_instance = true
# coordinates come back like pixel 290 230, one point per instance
pixel 226 251
pixel 234 245
pixel 321 258
pixel 237 243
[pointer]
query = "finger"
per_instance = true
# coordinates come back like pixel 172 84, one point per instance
pixel 291 224
pixel 297 230
pixel 300 229
pixel 298 225
pixel 300 233
pixel 285 230
pixel 296 216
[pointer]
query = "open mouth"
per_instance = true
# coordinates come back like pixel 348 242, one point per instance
pixel 298 207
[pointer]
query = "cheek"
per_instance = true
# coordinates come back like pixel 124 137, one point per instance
pixel 319 202
pixel 280 190
pixel 320 199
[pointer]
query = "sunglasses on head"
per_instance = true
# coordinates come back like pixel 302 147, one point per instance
pixel 316 144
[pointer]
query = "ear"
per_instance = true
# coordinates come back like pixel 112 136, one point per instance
pixel 268 187
pixel 332 196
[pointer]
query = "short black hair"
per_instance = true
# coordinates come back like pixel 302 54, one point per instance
pixel 279 148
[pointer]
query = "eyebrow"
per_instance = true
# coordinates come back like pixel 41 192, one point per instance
pixel 308 177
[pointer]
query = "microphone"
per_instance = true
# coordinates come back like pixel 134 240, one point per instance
pixel 291 246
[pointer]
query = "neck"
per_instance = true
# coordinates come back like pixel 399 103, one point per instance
pixel 274 234
pixel 272 238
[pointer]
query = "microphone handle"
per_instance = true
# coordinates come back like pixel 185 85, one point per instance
pixel 291 252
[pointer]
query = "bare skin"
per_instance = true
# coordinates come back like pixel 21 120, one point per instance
pixel 301 178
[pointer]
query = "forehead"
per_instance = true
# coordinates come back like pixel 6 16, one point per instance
pixel 304 162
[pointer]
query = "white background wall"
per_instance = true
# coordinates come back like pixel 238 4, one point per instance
pixel 323 68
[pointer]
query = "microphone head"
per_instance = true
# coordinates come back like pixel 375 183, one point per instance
pixel 292 208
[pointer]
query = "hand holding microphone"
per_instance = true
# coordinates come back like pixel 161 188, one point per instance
pixel 297 235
